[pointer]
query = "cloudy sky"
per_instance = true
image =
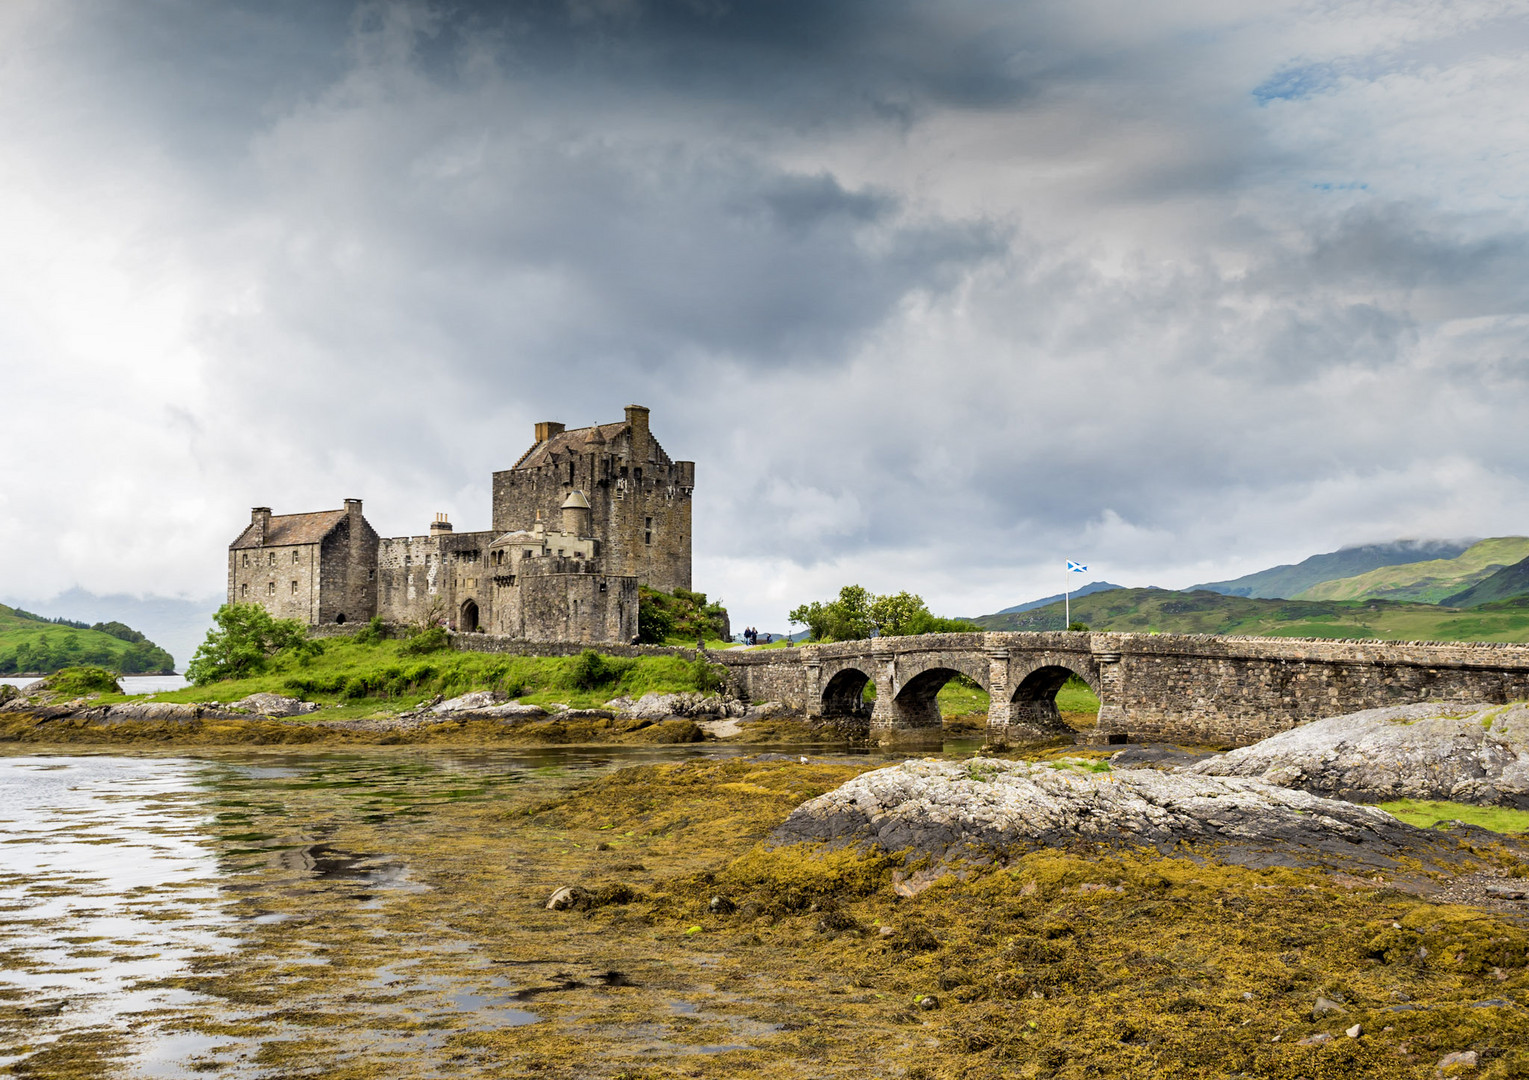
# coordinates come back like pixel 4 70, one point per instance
pixel 936 295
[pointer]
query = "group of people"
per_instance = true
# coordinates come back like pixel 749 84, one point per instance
pixel 754 637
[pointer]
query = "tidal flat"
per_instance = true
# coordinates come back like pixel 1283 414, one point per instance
pixel 381 912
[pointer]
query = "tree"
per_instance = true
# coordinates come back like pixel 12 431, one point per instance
pixel 241 643
pixel 857 612
pixel 683 614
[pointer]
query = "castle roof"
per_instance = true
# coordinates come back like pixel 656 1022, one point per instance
pixel 575 441
pixel 575 501
pixel 287 529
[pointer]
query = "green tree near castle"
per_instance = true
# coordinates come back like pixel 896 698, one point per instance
pixel 859 613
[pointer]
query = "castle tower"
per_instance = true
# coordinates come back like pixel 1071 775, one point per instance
pixel 638 498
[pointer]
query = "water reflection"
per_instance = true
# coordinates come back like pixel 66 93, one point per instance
pixel 106 885
pixel 128 884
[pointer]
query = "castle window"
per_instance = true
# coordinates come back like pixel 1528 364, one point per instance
pixel 294 588
pixel 371 575
pixel 570 472
pixel 270 589
pixel 246 558
pixel 647 535
pixel 295 556
pixel 244 590
pixel 638 474
pixel 602 586
pixel 273 558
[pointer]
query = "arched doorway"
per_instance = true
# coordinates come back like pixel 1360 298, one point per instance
pixel 1035 701
pixel 340 619
pixel 469 619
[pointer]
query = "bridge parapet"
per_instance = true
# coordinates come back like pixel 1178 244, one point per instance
pixel 1176 687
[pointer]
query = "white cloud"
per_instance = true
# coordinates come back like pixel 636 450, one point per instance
pixel 935 300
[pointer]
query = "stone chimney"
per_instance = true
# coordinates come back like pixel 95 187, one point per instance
pixel 260 517
pixel 546 429
pixel 440 525
pixel 353 508
pixel 637 420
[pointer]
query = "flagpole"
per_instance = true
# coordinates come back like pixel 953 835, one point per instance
pixel 1066 598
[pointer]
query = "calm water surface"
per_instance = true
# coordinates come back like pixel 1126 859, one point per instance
pixel 131 684
pixel 119 873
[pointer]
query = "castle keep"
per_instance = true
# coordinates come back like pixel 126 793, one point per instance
pixel 583 518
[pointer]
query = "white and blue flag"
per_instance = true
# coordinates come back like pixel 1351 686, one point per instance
pixel 1075 567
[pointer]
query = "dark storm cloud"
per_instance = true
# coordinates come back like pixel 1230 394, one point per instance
pixel 932 292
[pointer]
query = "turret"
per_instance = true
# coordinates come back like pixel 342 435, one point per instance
pixel 576 514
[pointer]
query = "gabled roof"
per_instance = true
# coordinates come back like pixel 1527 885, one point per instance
pixel 287 529
pixel 574 441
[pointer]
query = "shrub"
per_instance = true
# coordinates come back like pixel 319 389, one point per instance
pixel 77 681
pixel 708 678
pixel 591 671
pixel 373 632
pixel 433 639
pixel 243 640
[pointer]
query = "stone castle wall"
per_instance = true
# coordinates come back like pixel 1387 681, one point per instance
pixel 639 500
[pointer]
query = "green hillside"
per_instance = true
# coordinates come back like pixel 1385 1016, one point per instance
pixel 30 644
pixel 1290 579
pixel 1507 583
pixel 1168 612
pixel 1426 582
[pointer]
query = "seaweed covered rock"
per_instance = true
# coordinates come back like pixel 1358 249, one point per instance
pixel 1463 753
pixel 986 808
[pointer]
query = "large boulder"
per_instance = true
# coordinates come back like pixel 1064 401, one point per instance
pixel 487 705
pixel 1463 753
pixel 656 706
pixel 274 705
pixel 984 809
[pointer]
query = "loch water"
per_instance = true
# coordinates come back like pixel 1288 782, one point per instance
pixel 127 881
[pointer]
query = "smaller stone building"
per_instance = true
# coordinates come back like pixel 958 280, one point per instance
pixel 316 568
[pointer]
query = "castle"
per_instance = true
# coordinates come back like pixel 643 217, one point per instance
pixel 579 522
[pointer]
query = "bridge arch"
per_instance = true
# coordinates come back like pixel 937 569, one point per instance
pixel 915 705
pixel 844 694
pixel 1032 699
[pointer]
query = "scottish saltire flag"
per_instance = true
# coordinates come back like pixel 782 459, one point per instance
pixel 1076 567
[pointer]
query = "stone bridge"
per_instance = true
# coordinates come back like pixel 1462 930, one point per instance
pixel 1151 687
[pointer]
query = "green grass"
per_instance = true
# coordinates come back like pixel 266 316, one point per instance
pixel 28 646
pixel 1168 612
pixel 1427 813
pixel 1426 582
pixel 353 678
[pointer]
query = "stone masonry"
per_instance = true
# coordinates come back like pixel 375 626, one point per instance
pixel 582 519
pixel 1151 687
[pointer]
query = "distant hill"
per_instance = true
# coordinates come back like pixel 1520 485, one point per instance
pixel 177 624
pixel 1507 584
pixel 1286 581
pixel 31 643
pixel 1427 582
pixel 1203 612
pixel 1084 590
